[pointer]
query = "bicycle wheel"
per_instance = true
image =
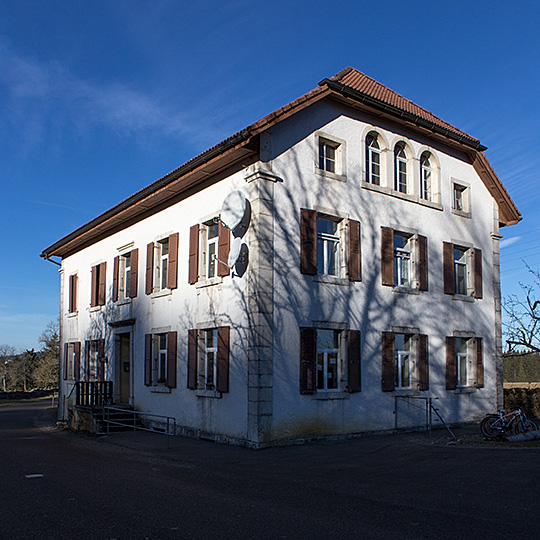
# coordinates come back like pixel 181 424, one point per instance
pixel 529 425
pixel 492 426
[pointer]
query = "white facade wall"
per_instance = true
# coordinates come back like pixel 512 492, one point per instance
pixel 264 403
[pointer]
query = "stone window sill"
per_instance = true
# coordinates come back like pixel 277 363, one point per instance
pixel 209 282
pixel 208 394
pixel 465 390
pixel 160 389
pixel 327 396
pixel 330 175
pixel 159 294
pixel 398 195
pixel 463 298
pixel 335 280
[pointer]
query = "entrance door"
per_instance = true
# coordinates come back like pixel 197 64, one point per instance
pixel 125 367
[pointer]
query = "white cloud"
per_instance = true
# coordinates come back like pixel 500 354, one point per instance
pixel 509 241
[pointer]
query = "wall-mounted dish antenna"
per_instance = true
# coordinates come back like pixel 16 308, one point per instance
pixel 235 253
pixel 233 209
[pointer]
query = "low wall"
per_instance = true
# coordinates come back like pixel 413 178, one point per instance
pixel 520 395
pixel 4 396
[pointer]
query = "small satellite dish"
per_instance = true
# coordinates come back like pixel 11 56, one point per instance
pixel 234 252
pixel 233 209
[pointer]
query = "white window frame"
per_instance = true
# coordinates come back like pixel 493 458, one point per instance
pixel 124 276
pixel 400 177
pixel 93 358
pixel 329 242
pixel 323 141
pixel 210 249
pixel 461 200
pixel 462 362
pixel 70 362
pixel 160 359
pixel 326 352
pixel 464 265
pixel 207 360
pixel 373 148
pixel 426 177
pixel 402 358
pixel 162 265
pixel 403 260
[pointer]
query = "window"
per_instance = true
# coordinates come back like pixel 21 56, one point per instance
pixel 462 270
pixel 72 360
pixel 322 366
pixel 161 264
pixel 328 155
pixel 328 247
pixel 405 363
pixel 209 242
pixel 464 362
pixel 400 168
pixel 98 285
pixel 373 159
pixel 460 202
pixel 404 260
pixel 160 359
pixel 208 359
pixel 323 241
pixel 425 177
pixel 72 293
pixel 402 362
pixel 125 278
pixel 94 369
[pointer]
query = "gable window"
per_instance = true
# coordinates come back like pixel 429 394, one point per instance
pixel 209 244
pixel 208 359
pixel 462 270
pixel 328 247
pixel 160 359
pixel 405 361
pixel 328 155
pixel 72 360
pixel 98 285
pixel 464 362
pixel 400 168
pixel 322 366
pixel 161 264
pixel 460 199
pixel 125 277
pixel 324 240
pixel 373 159
pixel 425 177
pixel 404 261
pixel 72 293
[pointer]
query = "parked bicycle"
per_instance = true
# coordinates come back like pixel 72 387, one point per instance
pixel 503 424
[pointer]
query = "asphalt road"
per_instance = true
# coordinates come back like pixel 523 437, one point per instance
pixel 56 484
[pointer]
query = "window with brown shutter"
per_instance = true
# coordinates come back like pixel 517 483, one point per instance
pixel 100 360
pixel 77 361
pixel 308 350
pixel 102 291
pixel 422 258
pixel 354 376
pixel 148 360
pixel 308 242
pixel 172 339
pixel 149 285
pixel 73 282
pixel 423 363
pixel 355 251
pixel 387 378
pixel 133 274
pixel 448 268
pixel 172 273
pixel 192 359
pixel 477 267
pixel 222 364
pixel 94 287
pixel 387 256
pixel 479 363
pixel 66 360
pixel 193 272
pixel 224 241
pixel 451 364
pixel 116 277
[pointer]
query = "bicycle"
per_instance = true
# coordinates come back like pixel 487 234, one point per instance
pixel 502 424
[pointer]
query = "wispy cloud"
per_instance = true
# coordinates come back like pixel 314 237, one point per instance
pixel 509 241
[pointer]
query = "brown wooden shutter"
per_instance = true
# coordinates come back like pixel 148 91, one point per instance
pixel 224 246
pixel 479 363
pixel 193 273
pixel 86 360
pixel 422 263
pixel 101 360
pixel 308 368
pixel 172 273
pixel 387 257
pixel 355 251
pixel 77 362
pixel 73 293
pixel 116 272
pixel 423 363
pixel 448 268
pixel 222 375
pixel 94 286
pixel 102 294
pixel 477 256
pixel 354 364
pixel 451 364
pixel 148 359
pixel 66 361
pixel 387 377
pixel 172 340
pixel 133 273
pixel 308 242
pixel 193 336
pixel 149 268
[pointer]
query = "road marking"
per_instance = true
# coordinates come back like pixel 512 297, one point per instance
pixel 33 475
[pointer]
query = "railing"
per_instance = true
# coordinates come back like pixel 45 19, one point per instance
pixel 93 393
pixel 170 422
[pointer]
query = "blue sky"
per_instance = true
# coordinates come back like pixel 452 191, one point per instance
pixel 98 99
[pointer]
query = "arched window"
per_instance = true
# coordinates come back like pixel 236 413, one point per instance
pixel 373 159
pixel 400 168
pixel 425 176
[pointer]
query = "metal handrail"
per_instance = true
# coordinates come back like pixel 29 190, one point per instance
pixel 170 422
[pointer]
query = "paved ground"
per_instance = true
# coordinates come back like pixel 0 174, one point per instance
pixel 391 487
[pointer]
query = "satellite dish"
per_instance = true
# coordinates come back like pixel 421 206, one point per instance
pixel 233 209
pixel 234 252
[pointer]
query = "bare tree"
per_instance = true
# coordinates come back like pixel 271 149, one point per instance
pixel 7 353
pixel 522 324
pixel 47 368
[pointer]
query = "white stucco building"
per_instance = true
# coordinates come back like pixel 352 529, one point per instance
pixel 368 276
